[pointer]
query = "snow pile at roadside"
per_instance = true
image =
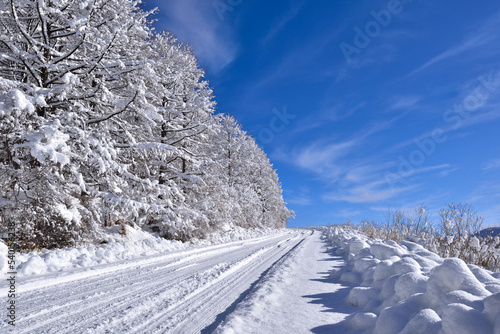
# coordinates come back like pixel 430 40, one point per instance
pixel 404 288
pixel 235 234
pixel 121 245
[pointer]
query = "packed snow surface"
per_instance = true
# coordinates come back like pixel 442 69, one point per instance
pixel 288 281
pixel 188 290
pixel 295 296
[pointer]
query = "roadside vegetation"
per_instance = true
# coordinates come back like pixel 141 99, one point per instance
pixel 456 233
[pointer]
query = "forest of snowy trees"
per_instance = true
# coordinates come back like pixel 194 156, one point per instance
pixel 104 121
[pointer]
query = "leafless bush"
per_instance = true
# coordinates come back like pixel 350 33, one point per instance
pixel 457 233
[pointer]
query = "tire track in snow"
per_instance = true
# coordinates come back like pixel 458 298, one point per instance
pixel 162 284
pixel 102 304
pixel 222 315
pixel 202 307
pixel 40 297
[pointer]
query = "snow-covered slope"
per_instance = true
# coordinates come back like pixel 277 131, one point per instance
pixel 490 231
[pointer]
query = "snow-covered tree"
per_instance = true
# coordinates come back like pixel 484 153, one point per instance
pixel 103 121
pixel 65 67
pixel 247 171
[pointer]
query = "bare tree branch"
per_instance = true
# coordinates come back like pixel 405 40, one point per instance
pixel 105 118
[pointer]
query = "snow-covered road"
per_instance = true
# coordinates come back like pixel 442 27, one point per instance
pixel 243 286
pixel 296 296
pixel 290 281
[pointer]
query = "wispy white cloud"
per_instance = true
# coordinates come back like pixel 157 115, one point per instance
pixel 405 177
pixel 197 22
pixel 486 34
pixel 297 62
pixel 326 158
pixel 478 104
pixel 299 200
pixel 472 43
pixel 404 102
pixel 367 192
pixel 486 196
pixel 356 177
pixel 447 171
pixel 491 217
pixel 323 159
pixel 486 191
pixel 369 185
pixel 373 57
pixel 493 164
pixel 359 178
pixel 347 213
pixel 282 22
pixel 300 196
pixel 327 114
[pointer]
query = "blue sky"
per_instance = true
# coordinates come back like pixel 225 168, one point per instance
pixel 361 106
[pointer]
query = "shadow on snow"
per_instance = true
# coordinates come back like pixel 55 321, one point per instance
pixel 334 302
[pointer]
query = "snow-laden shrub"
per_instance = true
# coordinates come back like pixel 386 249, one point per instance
pixel 457 234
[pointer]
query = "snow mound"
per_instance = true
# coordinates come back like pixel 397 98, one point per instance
pixel 122 243
pixel 404 288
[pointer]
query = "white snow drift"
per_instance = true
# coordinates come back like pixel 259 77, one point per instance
pixel 404 288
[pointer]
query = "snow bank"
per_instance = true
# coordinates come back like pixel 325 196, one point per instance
pixel 404 288
pixel 236 233
pixel 134 243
